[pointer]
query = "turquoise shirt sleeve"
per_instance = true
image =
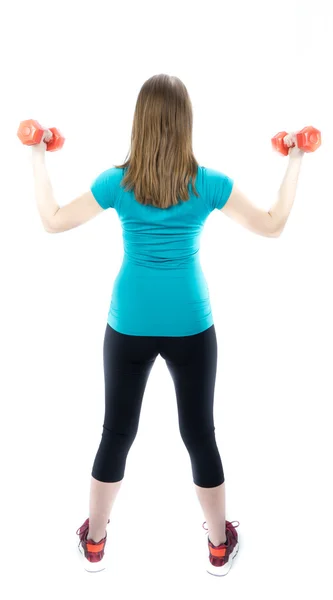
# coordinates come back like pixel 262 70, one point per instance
pixel 105 187
pixel 219 189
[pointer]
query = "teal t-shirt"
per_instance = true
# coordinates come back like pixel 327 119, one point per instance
pixel 160 289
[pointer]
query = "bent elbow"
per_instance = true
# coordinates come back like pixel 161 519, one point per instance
pixel 275 227
pixel 51 225
pixel 275 233
pixel 50 229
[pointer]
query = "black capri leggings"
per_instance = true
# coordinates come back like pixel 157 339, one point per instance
pixel 192 362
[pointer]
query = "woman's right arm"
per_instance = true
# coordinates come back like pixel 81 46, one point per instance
pixel 267 223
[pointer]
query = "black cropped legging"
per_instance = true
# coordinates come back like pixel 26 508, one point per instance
pixel 128 361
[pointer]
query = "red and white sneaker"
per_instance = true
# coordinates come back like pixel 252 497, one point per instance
pixel 93 552
pixel 221 557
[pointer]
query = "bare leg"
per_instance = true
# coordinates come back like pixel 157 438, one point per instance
pixel 102 497
pixel 212 502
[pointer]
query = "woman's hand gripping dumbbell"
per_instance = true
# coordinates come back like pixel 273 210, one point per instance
pixel 31 133
pixel 306 140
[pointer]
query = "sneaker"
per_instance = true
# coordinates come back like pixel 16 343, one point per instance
pixel 221 557
pixel 92 552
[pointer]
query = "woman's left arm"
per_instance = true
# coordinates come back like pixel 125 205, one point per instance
pixel 54 218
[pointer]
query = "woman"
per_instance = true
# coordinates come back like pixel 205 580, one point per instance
pixel 160 301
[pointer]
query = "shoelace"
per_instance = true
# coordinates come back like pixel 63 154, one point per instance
pixel 83 529
pixel 231 522
pixel 227 525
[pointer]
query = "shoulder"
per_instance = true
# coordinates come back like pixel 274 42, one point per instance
pixel 217 187
pixel 210 174
pixel 109 178
pixel 106 187
pixel 112 174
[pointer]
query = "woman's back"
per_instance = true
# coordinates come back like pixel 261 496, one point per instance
pixel 160 289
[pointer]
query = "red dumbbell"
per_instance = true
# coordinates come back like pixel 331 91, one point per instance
pixel 30 132
pixel 308 140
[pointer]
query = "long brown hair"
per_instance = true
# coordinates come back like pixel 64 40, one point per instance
pixel 161 162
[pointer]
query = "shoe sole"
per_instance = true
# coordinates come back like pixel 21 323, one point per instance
pixel 224 570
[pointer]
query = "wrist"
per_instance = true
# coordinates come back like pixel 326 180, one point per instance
pixel 37 161
pixel 296 156
pixel 37 156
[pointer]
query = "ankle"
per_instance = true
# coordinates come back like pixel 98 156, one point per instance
pixel 95 538
pixel 217 542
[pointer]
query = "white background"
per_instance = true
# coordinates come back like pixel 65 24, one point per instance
pixel 252 69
